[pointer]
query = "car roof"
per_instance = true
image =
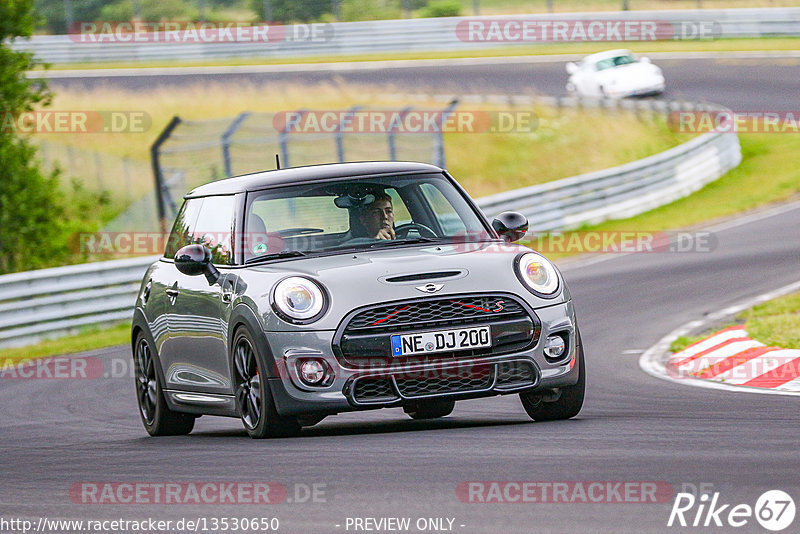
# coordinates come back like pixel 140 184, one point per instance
pixel 606 54
pixel 310 173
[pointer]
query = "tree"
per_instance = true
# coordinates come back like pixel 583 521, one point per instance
pixel 52 12
pixel 286 11
pixel 31 230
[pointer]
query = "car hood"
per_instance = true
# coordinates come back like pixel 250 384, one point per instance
pixel 362 278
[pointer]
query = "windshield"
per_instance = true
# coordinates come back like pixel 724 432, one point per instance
pixel 356 213
pixel 617 61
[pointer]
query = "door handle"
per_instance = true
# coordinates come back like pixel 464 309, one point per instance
pixel 172 293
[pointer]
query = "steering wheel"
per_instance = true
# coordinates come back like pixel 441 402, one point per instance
pixel 402 231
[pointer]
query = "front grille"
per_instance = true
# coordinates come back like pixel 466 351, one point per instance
pixel 445 311
pixel 469 379
pixel 374 389
pixel 364 339
pixel 455 379
pixel 515 374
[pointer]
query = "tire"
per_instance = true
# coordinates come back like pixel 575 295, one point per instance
pixel 254 401
pixel 156 416
pixel 568 404
pixel 431 409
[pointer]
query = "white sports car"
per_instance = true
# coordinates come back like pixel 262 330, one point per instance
pixel 614 74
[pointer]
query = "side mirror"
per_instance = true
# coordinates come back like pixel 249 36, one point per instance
pixel 194 260
pixel 644 59
pixel 572 68
pixel 511 226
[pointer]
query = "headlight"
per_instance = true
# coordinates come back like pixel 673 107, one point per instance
pixel 298 299
pixel 537 273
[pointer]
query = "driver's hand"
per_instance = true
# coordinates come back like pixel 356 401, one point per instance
pixel 386 233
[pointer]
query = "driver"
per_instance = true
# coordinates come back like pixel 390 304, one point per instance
pixel 378 217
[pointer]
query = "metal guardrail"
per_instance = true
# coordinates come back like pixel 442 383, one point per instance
pixel 623 191
pixel 406 35
pixel 52 302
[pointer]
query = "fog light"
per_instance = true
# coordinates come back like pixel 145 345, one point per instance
pixel 554 347
pixel 312 372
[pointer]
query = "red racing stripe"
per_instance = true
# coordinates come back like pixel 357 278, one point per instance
pixel 712 349
pixel 733 361
pixel 778 376
pixel 735 327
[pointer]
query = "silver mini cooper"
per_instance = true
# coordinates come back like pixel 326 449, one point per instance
pixel 287 296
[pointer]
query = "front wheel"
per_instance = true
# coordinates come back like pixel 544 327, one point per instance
pixel 254 400
pixel 569 402
pixel 156 416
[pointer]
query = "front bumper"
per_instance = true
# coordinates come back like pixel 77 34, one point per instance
pixel 380 387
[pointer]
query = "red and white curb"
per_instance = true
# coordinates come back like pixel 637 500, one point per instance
pixel 732 357
pixel 729 359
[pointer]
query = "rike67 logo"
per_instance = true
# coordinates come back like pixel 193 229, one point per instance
pixel 774 510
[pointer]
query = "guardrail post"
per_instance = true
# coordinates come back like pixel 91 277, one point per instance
pixel 283 139
pixel 438 140
pixel 391 134
pixel 226 141
pixel 339 137
pixel 162 192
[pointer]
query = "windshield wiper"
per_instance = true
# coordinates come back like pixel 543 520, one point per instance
pixel 385 243
pixel 277 256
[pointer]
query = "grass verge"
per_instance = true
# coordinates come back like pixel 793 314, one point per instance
pixel 775 323
pixel 87 339
pixel 484 163
pixel 763 44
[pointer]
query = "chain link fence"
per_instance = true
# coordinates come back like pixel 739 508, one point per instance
pixel 191 153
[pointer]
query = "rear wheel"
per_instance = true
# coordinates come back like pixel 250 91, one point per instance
pixel 429 409
pixel 254 400
pixel 156 416
pixel 569 401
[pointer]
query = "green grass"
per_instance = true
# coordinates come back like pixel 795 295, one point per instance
pixel 87 339
pixel 768 173
pixel 484 163
pixel 720 45
pixel 775 323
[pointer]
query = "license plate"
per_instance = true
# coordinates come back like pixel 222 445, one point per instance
pixel 441 341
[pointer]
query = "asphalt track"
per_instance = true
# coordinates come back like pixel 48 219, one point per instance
pixel 633 427
pixel 743 84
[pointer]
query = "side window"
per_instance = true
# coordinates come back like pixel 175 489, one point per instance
pixel 445 213
pixel 214 228
pixel 318 212
pixel 183 229
pixel 401 214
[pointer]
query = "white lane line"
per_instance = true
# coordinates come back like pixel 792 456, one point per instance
pixel 654 359
pixel 382 64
